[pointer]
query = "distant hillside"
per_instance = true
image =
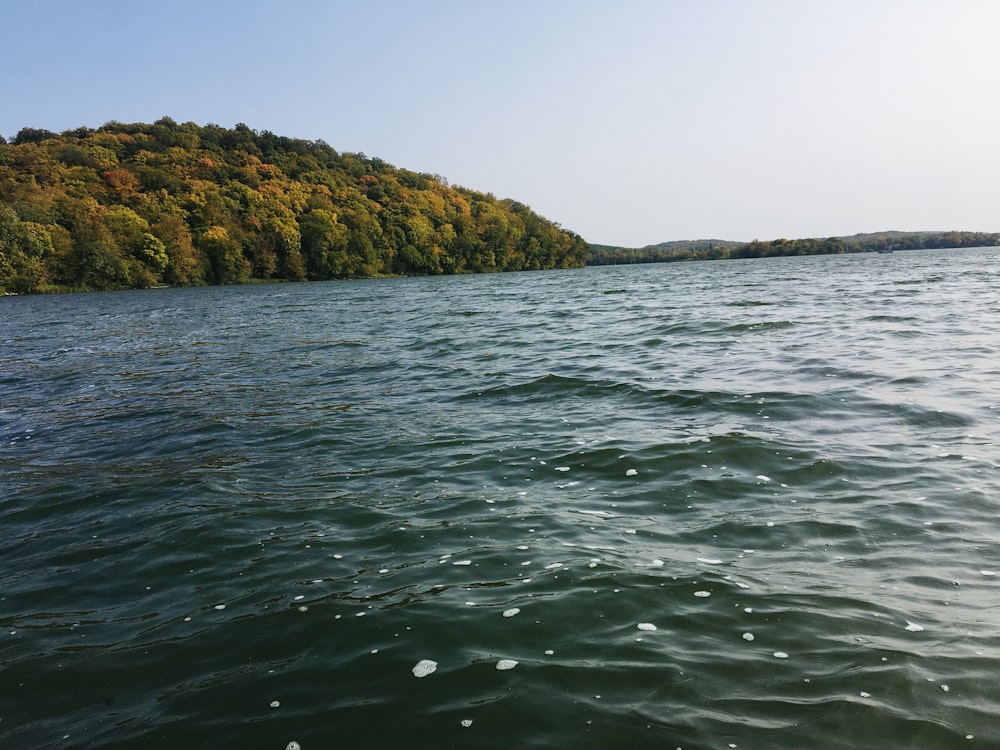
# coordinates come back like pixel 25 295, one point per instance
pixel 665 252
pixel 181 204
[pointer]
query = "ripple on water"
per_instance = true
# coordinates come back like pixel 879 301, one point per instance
pixel 682 528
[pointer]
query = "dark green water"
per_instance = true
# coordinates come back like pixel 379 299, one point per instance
pixel 216 499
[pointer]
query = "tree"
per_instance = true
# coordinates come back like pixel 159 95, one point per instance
pixel 225 256
pixel 33 135
pixel 25 247
pixel 184 266
pixel 324 245
pixel 99 262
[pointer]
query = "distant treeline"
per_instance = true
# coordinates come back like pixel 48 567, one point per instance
pixel 721 249
pixel 137 205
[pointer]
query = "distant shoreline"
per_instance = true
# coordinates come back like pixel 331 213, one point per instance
pixel 877 242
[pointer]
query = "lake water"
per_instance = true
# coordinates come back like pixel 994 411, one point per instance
pixel 739 504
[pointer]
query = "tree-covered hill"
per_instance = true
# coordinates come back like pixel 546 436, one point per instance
pixel 666 252
pixel 138 205
pixel 663 252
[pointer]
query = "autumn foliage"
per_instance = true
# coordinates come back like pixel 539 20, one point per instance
pixel 136 205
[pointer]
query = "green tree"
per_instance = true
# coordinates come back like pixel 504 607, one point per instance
pixel 184 266
pixel 99 263
pixel 225 256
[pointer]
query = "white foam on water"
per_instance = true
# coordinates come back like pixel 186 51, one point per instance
pixel 631 473
pixel 511 612
pixel 462 562
pixel 553 566
pixel 522 547
pixel 763 478
pixel 598 513
pixel 504 664
pixel 299 598
pixel 338 557
pixel 303 608
pixel 913 627
pixel 780 655
pixel 424 667
pixel 987 572
pixel 562 468
pixel 646 626
pixel 526 562
pixel 710 560
pixel 630 531
pixel 703 594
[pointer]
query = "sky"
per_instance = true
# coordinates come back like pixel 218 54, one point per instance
pixel 630 122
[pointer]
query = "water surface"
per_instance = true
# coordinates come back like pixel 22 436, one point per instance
pixel 707 505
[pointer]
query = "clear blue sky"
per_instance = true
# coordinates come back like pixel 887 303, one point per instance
pixel 628 121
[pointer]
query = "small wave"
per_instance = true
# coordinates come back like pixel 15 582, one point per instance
pixel 553 385
pixel 767 325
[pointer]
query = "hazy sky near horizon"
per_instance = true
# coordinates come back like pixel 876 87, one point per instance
pixel 630 122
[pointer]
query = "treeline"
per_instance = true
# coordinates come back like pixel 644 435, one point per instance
pixel 867 243
pixel 721 250
pixel 665 252
pixel 138 205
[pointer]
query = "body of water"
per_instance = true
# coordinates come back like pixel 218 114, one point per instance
pixel 734 504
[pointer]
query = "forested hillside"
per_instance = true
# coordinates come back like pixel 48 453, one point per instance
pixel 138 205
